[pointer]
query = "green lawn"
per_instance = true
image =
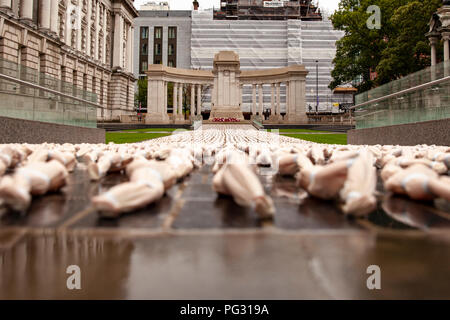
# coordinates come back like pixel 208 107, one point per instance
pixel 152 129
pixel 337 138
pixel 118 137
pixel 298 130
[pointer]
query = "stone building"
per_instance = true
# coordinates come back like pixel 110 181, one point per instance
pixel 162 37
pixel 87 43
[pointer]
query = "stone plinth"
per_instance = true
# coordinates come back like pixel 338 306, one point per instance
pixel 275 118
pixel 155 118
pixel 226 93
pixel 179 118
pixel 226 112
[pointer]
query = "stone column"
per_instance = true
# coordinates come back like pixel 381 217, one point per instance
pixel 199 99
pixel 44 14
pixel 118 41
pixel 129 50
pixel 278 105
pixel 220 85
pixel 215 92
pixel 260 97
pixel 288 106
pixel 26 10
pixel 180 99
pixel 272 99
pixel 175 100
pixel 165 97
pixel 446 38
pixel 192 112
pixel 433 43
pixel 253 99
pixel 54 17
pixel 240 95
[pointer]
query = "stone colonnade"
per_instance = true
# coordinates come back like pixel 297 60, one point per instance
pixel 292 77
pixel 158 78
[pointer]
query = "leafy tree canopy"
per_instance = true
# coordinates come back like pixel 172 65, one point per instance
pixel 398 48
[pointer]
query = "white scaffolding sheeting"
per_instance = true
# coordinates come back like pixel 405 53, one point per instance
pixel 265 44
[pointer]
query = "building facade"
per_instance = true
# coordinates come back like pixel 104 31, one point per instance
pixel 162 37
pixel 87 43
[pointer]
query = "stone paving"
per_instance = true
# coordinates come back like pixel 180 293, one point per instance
pixel 194 244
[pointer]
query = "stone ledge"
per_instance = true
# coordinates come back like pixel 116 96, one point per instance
pixel 28 131
pixel 427 132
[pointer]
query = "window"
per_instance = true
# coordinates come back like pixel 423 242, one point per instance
pixel 171 49
pixel 158 32
pixel 157 61
pixel 157 49
pixel 144 66
pixel 172 32
pixel 171 64
pixel 144 49
pixel 144 32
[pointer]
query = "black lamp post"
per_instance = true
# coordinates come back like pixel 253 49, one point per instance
pixel 317 86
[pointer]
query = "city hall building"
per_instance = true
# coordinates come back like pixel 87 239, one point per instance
pixel 86 43
pixel 190 39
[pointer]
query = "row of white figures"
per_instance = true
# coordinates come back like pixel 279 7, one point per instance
pixel 347 174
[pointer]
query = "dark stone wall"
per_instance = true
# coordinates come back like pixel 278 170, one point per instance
pixel 435 132
pixel 27 131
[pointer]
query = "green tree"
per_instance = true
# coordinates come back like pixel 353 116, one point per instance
pixel 398 48
pixel 141 94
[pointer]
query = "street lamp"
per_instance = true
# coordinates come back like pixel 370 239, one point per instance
pixel 317 86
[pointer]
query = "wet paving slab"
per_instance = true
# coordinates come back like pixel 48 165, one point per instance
pixel 192 235
pixel 225 266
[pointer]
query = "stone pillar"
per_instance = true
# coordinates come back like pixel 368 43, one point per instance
pixel 192 112
pixel 26 10
pixel 446 38
pixel 165 98
pixel 215 92
pixel 180 99
pixel 156 112
pixel 253 99
pixel 275 104
pixel 118 41
pixel 174 99
pixel 433 43
pixel 240 95
pixel 220 85
pixel 199 99
pixel 287 106
pixel 272 99
pixel 44 14
pixel 179 117
pixel 278 105
pixel 129 50
pixel 54 17
pixel 260 97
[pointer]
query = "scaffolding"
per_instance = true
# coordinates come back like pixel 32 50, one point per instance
pixel 261 10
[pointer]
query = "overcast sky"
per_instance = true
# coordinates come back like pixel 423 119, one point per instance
pixel 329 5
